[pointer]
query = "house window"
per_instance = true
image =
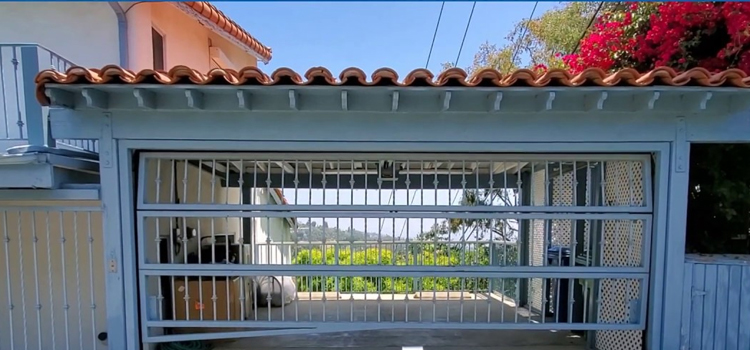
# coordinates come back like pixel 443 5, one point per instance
pixel 157 44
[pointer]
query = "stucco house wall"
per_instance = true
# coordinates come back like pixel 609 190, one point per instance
pixel 187 41
pixel 90 40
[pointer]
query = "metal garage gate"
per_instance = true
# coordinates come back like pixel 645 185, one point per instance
pixel 240 244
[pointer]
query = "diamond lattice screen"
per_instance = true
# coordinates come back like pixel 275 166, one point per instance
pixel 623 185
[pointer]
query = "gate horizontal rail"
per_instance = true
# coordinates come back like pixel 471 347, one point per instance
pixel 383 325
pixel 221 214
pixel 390 270
pixel 518 211
pixel 334 327
pixel 498 157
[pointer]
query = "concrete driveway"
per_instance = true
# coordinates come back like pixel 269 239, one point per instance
pixel 428 339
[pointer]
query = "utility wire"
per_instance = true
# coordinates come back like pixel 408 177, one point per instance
pixel 466 31
pixel 437 25
pixel 523 33
pixel 591 21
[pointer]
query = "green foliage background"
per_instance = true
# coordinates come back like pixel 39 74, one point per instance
pixel 429 255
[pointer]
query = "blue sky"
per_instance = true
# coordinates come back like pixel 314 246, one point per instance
pixel 370 35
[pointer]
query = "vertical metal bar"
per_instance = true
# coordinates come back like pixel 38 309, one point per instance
pixel 491 246
pixel 463 247
pixel 66 306
pixel 518 286
pixel 242 241
pixel 393 248
pixel 49 278
pixel 228 260
pixel 573 245
pixel 38 305
pixel 5 104
pixel 351 239
pixel 254 239
pixel 522 230
pixel 78 277
pixel 435 249
pixel 406 262
pixel 296 238
pixel 19 230
pixel 603 182
pixel 91 277
pixel 213 251
pixel 6 236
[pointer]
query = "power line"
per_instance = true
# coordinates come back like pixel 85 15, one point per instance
pixel 523 33
pixel 591 21
pixel 466 31
pixel 434 35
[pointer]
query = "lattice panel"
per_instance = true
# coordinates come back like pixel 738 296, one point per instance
pixel 536 245
pixel 622 246
pixel 563 192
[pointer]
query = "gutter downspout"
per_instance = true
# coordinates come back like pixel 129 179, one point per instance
pixel 122 28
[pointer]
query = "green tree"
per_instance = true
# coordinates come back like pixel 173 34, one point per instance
pixel 545 39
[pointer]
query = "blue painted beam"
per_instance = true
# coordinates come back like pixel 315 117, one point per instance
pixel 36 122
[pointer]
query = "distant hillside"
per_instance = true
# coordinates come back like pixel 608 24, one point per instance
pixel 316 232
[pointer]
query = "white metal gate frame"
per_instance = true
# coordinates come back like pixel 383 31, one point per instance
pixel 547 212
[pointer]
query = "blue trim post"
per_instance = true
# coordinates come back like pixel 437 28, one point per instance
pixel 112 229
pixel 676 236
pixel 36 121
pixel 129 251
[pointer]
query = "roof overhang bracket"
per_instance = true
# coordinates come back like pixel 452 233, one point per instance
pixel 344 100
pixel 95 98
pixel 145 99
pixel 699 100
pixel 595 101
pixel 293 100
pixel 446 101
pixel 194 99
pixel 60 98
pixel 496 99
pixel 243 99
pixel 545 101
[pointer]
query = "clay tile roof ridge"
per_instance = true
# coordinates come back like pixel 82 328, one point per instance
pixel 209 12
pixel 663 76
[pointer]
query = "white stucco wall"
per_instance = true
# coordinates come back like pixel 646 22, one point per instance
pixel 272 236
pixel 186 40
pixel 83 32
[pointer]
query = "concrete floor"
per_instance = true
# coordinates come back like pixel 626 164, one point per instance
pixel 428 339
pixel 446 308
pixel 439 307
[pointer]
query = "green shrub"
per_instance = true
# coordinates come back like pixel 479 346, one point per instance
pixel 424 256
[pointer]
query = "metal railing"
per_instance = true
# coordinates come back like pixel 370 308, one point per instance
pixel 23 120
pixel 481 241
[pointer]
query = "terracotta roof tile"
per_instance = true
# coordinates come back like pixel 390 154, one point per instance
pixel 211 13
pixel 663 76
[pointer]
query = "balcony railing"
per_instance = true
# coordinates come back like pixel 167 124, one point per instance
pixel 24 121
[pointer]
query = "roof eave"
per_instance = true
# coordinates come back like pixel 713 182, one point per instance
pixel 219 31
pixel 393 99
